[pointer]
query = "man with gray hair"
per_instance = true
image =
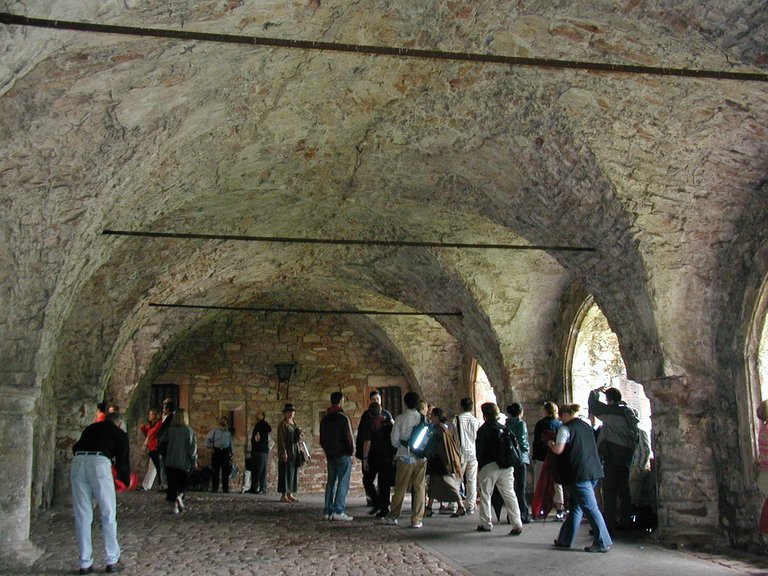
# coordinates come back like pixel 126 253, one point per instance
pixel 99 445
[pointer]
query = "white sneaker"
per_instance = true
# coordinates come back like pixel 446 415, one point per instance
pixel 342 517
pixel 180 502
pixel 389 521
pixel 175 508
pixel 326 516
pixel 417 525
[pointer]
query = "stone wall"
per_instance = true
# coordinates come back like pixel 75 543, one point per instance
pixel 230 364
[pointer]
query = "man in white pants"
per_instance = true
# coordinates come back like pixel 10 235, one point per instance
pixel 465 432
pixel 490 476
pixel 91 478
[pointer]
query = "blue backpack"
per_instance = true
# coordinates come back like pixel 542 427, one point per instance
pixel 419 438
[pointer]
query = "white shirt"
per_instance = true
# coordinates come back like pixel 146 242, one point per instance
pixel 401 430
pixel 465 432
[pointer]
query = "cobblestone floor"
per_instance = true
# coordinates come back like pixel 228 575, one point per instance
pixel 239 534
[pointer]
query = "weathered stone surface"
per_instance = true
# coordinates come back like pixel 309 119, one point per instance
pixel 663 176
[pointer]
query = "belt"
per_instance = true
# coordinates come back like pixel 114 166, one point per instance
pixel 92 454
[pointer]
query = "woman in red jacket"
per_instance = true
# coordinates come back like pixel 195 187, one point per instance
pixel 150 430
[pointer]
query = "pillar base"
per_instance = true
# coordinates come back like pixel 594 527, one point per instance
pixel 19 554
pixel 679 538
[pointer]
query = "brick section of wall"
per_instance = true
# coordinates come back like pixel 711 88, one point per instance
pixel 232 361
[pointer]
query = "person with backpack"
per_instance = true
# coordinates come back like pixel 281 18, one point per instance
pixel 616 445
pixel 410 437
pixel 495 447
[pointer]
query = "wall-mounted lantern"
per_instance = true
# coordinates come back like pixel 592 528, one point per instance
pixel 284 372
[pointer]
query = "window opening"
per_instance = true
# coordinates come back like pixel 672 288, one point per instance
pixel 597 361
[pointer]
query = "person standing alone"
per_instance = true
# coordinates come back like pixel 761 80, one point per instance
pixel 260 453
pixel 338 445
pixel 91 479
pixel 220 441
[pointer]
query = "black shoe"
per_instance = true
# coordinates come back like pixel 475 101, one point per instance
pixel 86 570
pixel 116 567
pixel 559 544
pixel 482 528
pixel 516 532
pixel 373 511
pixel 382 513
pixel 600 549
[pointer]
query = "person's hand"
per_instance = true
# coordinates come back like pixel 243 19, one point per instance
pixel 284 456
pixel 257 437
pixel 365 464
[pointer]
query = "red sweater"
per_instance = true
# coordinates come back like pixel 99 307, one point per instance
pixel 150 431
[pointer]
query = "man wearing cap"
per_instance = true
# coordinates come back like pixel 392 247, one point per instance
pixel 99 445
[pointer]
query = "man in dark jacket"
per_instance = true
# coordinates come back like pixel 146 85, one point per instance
pixel 490 476
pixel 616 444
pixel 91 477
pixel 519 428
pixel 578 466
pixel 338 445
pixel 260 453
pixel 364 432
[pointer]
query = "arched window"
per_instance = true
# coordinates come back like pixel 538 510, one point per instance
pixel 482 391
pixel 595 360
pixel 756 353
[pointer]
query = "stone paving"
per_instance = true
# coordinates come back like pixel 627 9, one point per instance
pixel 240 534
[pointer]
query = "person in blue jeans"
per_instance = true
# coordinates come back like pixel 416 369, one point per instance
pixel 579 467
pixel 338 445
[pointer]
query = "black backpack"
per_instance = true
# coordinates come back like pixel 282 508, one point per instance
pixel 509 450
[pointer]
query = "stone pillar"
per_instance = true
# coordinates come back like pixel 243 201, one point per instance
pixel 16 445
pixel 686 467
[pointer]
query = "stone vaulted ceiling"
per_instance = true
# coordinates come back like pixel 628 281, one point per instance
pixel 663 176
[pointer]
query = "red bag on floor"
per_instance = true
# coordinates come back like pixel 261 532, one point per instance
pixel 764 518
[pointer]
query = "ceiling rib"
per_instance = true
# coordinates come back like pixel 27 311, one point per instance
pixel 543 63
pixel 345 241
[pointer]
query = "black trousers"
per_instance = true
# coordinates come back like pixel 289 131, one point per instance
pixel 259 472
pixel 177 483
pixel 382 469
pixel 221 464
pixel 521 485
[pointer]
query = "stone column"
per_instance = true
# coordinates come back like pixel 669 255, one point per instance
pixel 16 446
pixel 686 467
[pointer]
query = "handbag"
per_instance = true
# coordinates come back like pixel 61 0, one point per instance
pixel 304 456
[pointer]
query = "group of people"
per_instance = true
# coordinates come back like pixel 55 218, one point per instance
pixel 459 459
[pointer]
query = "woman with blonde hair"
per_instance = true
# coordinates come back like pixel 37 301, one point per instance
pixel 180 458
